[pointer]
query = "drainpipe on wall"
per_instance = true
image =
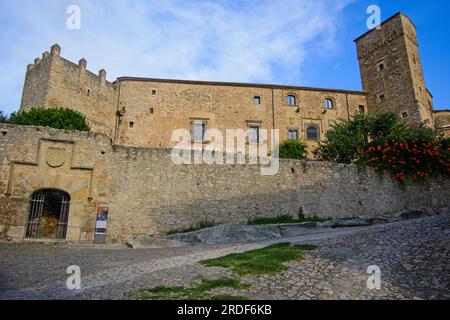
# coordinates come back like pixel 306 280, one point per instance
pixel 273 110
pixel 348 109
pixel 118 115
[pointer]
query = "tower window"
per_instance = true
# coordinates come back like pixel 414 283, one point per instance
pixel 293 134
pixel 88 92
pixel 151 110
pixel 312 133
pixel 381 65
pixel 382 98
pixel 328 103
pixel 291 100
pixel 256 100
pixel 154 92
pixel 131 124
pixel 361 109
pixel 404 115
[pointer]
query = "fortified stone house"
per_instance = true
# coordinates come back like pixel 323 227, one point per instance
pixel 119 180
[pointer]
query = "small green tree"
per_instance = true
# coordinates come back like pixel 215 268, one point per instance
pixel 61 118
pixel 347 141
pixel 293 149
pixel 3 117
pixel 420 154
pixel 386 143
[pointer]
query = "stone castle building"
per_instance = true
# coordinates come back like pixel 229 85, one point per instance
pixel 119 180
pixel 143 112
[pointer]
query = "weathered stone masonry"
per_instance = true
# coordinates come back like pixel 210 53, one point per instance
pixel 143 112
pixel 125 167
pixel 147 194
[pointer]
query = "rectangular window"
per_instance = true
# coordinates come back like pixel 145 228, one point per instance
pixel 151 110
pixel 256 100
pixel 131 124
pixel 291 100
pixel 253 134
pixel 293 134
pixel 198 130
pixel 382 98
pixel 361 109
pixel 312 132
pixel 381 65
pixel 405 115
pixel 154 92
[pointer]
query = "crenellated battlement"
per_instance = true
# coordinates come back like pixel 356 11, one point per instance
pixel 54 82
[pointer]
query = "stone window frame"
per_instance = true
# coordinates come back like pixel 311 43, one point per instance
pixel 88 92
pixel 381 97
pixel 381 65
pixel 293 130
pixel 253 124
pixel 404 114
pixel 333 103
pixel 154 92
pixel 363 108
pixel 257 97
pixel 132 124
pixel 296 99
pixel 317 127
pixel 191 125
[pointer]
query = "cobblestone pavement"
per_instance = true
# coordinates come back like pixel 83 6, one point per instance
pixel 414 258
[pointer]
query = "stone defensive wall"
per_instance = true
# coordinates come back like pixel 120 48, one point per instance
pixel 147 194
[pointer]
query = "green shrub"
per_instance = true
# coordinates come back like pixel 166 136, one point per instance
pixel 268 260
pixel 199 226
pixel 293 149
pixel 55 118
pixel 384 142
pixel 3 117
pixel 347 141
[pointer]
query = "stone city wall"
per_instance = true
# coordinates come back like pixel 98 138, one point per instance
pixel 147 194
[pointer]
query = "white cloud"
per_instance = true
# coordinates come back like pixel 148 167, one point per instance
pixel 247 41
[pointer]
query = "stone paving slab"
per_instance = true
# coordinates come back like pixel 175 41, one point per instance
pixel 413 256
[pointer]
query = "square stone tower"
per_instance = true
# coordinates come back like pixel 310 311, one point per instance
pixel 391 71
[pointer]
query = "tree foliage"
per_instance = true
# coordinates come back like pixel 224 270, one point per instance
pixel 386 143
pixel 293 149
pixel 3 117
pixel 347 141
pixel 61 118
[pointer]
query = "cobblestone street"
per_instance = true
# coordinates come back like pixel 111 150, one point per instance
pixel 413 255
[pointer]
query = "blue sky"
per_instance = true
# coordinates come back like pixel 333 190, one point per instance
pixel 300 42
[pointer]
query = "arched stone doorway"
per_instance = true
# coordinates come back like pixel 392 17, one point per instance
pixel 49 213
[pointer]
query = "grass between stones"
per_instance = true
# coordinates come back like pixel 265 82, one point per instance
pixel 285 219
pixel 199 226
pixel 199 291
pixel 269 260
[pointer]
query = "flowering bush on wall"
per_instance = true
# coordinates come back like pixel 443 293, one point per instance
pixel 385 143
pixel 412 158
